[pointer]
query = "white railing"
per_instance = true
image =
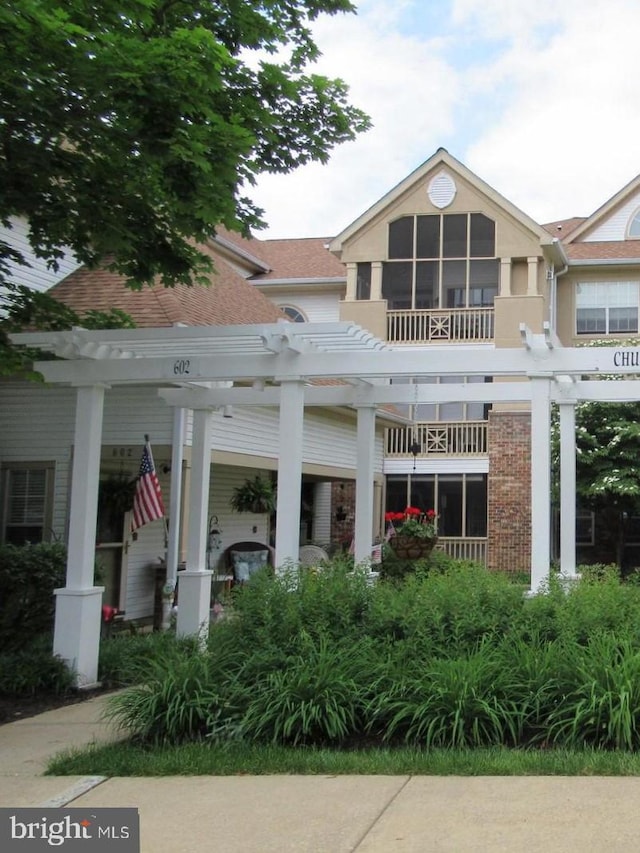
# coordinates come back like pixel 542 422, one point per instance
pixel 438 438
pixel 464 548
pixel 453 325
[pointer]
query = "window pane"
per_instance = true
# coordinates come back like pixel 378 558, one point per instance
pixel 427 284
pixel 396 285
pixel 454 284
pixel 428 237
pixel 423 491
pixel 454 236
pixel 363 281
pixel 401 238
pixel 450 505
pixel 591 320
pixel 483 236
pixel 397 491
pixel 623 320
pixel 425 411
pixel 476 510
pixel 634 228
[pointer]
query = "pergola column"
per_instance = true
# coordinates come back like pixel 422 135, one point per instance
pixel 289 473
pixel 568 488
pixel 76 636
pixel 364 483
pixel 540 480
pixel 194 589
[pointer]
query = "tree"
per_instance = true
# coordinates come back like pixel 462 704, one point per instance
pixel 132 129
pixel 608 465
pixel 607 459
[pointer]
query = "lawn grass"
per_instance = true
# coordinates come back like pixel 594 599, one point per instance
pixel 234 758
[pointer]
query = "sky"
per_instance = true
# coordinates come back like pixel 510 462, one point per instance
pixel 540 98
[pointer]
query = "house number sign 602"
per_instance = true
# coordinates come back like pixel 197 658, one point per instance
pixel 182 367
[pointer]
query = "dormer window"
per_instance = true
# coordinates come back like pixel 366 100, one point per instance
pixel 633 232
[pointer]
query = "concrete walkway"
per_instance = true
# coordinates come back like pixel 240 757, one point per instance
pixel 324 814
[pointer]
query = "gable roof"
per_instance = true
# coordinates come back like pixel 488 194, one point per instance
pixel 440 158
pixel 228 300
pixel 604 210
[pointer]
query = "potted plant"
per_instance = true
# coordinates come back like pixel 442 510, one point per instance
pixel 256 494
pixel 413 533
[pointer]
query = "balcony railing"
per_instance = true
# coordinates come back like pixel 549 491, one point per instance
pixel 438 438
pixel 464 548
pixel 435 326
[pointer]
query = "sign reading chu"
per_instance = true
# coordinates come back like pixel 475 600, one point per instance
pixel 35 829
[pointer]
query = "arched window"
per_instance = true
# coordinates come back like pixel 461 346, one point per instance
pixel 633 232
pixel 293 313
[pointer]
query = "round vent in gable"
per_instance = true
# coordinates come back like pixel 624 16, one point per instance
pixel 442 190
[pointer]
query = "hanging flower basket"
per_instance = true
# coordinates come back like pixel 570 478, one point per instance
pixel 412 534
pixel 412 547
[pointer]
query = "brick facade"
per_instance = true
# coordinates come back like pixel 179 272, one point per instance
pixel 343 504
pixel 509 492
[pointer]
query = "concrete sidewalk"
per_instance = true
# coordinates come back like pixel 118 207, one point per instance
pixel 324 814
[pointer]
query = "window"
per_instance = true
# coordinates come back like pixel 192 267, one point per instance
pixel 293 313
pixel 459 499
pixel 606 307
pixel 633 232
pixel 458 411
pixel 363 281
pixel 441 261
pixel 27 500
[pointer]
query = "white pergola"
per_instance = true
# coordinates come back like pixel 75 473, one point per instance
pixel 287 365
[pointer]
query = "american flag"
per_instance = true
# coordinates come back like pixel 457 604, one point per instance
pixel 147 500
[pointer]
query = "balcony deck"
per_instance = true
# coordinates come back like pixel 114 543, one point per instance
pixel 438 438
pixel 453 325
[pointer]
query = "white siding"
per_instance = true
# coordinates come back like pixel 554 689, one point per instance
pixel 234 526
pixel 36 424
pixel 615 226
pixel 132 412
pixel 144 555
pixel 316 307
pixel 254 431
pixel 438 466
pixel 37 276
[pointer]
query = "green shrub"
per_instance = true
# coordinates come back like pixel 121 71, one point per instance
pixel 28 576
pixel 314 698
pixel 34 670
pixel 183 693
pixel 601 705
pixel 449 702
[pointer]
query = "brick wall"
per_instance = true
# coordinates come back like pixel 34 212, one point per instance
pixel 343 497
pixel 509 492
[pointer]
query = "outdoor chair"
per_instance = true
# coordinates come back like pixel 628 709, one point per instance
pixel 243 559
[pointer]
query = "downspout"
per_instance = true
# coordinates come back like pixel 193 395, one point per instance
pixel 554 276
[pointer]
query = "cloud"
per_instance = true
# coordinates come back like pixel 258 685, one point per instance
pixel 540 100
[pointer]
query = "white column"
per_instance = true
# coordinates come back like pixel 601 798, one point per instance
pixel 322 512
pixel 568 489
pixel 289 473
pixel 364 483
pixel 194 591
pixel 540 481
pixel 175 501
pixel 76 636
